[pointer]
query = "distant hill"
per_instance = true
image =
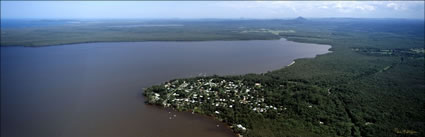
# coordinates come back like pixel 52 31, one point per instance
pixel 299 19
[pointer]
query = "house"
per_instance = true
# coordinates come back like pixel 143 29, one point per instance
pixel 240 126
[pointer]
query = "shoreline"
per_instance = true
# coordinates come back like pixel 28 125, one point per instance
pixel 195 113
pixel 125 41
pixel 228 125
pixel 292 63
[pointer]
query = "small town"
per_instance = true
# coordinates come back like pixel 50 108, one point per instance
pixel 184 95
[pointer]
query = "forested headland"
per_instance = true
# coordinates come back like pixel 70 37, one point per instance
pixel 372 84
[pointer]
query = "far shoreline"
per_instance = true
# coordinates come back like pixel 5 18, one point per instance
pixel 124 41
pixel 127 41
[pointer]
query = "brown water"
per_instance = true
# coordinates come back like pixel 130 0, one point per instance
pixel 94 90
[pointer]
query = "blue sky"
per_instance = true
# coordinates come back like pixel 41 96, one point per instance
pixel 210 9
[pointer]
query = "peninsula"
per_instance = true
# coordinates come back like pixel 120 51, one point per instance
pixel 349 92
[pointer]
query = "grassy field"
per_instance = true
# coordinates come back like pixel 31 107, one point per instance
pixel 371 85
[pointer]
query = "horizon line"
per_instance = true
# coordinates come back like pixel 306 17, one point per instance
pixel 241 18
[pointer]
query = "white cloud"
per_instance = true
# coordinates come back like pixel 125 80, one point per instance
pixel 350 6
pixel 329 8
pixel 341 6
pixel 215 9
pixel 366 7
pixel 323 7
pixel 396 6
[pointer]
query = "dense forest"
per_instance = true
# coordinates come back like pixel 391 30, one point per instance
pixel 372 84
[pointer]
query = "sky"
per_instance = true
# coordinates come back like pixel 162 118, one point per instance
pixel 210 9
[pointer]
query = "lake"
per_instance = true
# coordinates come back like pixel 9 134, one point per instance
pixel 95 89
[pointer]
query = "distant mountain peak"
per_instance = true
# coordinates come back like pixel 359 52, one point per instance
pixel 300 18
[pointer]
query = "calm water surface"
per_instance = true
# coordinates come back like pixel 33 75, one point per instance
pixel 94 90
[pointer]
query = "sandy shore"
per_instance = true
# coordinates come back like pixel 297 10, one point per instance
pixel 291 63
